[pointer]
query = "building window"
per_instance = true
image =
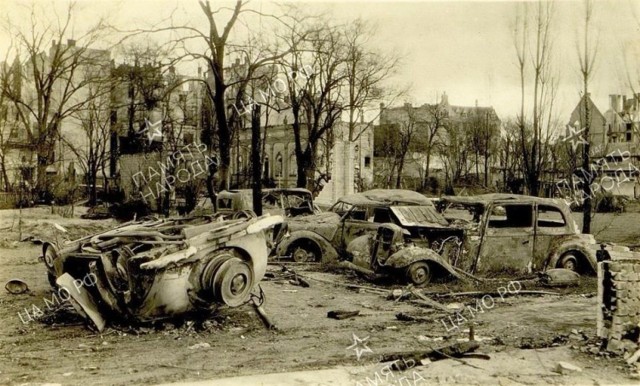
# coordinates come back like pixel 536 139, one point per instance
pixel 293 165
pixel 367 161
pixel 265 168
pixel 279 165
pixel 188 138
pixel 629 133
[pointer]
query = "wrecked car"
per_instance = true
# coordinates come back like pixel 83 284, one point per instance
pixel 391 253
pixel 516 233
pixel 325 236
pixel 289 202
pixel 148 270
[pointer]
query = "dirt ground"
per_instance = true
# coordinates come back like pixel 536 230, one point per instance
pixel 525 336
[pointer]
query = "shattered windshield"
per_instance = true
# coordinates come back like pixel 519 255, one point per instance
pixel 418 216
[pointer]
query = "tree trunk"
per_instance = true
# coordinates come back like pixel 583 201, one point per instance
pixel 399 177
pixel 256 164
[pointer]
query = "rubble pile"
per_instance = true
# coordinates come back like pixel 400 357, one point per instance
pixel 619 306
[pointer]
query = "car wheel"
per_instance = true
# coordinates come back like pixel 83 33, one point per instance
pixel 304 252
pixel 234 282
pixel 50 256
pixel 569 261
pixel 419 273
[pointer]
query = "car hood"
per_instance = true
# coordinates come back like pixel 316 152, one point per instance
pixel 324 223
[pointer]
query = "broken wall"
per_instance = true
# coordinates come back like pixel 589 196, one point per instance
pixel 619 303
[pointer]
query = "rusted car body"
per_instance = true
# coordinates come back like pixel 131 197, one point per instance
pixel 289 202
pixel 155 269
pixel 390 252
pixel 515 233
pixel 325 236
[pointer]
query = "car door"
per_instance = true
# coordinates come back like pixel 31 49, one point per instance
pixel 507 241
pixel 358 221
pixel 550 224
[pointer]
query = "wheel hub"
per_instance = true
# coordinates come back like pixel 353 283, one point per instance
pixel 301 255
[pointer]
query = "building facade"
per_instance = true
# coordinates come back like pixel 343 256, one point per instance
pixel 454 127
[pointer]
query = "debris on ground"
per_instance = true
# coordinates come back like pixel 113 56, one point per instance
pixel 405 317
pixel 16 287
pixel 342 314
pixel 456 350
pixel 199 346
pixel 559 277
pixel 566 368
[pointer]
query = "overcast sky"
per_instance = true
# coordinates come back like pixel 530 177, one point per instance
pixel 462 48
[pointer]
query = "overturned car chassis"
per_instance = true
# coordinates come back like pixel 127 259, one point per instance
pixel 149 270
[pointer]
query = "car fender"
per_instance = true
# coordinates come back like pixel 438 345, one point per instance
pixel 580 243
pixel 407 256
pixel 329 252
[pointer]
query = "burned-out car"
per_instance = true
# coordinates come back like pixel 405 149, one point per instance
pixel 390 252
pixel 515 233
pixel 325 236
pixel 289 202
pixel 155 269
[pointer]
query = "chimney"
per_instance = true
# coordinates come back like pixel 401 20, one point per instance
pixel 624 101
pixel 613 102
pixel 445 99
pixel 71 42
pixel 381 106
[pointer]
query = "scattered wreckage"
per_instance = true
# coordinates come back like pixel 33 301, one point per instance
pixel 148 270
pixel 326 236
pixel 516 233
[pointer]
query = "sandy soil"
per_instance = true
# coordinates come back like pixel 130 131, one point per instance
pixel 524 335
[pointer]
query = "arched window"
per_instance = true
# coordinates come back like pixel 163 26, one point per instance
pixel 279 165
pixel 265 170
pixel 293 165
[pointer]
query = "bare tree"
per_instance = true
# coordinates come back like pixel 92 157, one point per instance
pixel 587 56
pixel 533 50
pixel 92 150
pixel 481 136
pixel 396 142
pixel 366 73
pixel 509 153
pixel 315 94
pixel 437 121
pixel 52 73
pixel 454 152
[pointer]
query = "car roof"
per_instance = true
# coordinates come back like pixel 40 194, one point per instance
pixel 386 197
pixel 485 199
pixel 248 192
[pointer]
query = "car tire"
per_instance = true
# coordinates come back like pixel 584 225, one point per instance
pixel 304 251
pixel 568 261
pixel 418 273
pixel 50 255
